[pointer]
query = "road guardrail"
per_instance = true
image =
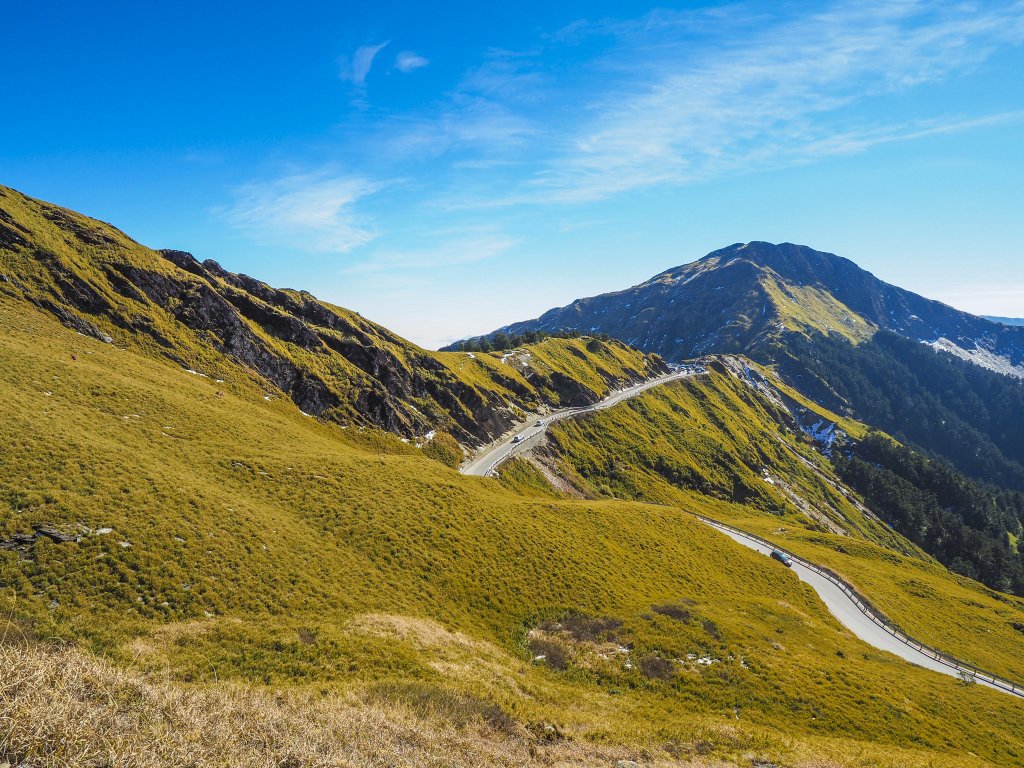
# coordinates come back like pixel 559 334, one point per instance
pixel 969 672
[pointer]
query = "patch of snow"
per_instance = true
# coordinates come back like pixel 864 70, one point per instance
pixel 983 358
pixel 196 373
pixel 471 356
pixel 823 432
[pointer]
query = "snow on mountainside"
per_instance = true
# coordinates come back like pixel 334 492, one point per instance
pixel 980 356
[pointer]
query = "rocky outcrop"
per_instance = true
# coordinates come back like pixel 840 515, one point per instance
pixel 332 363
pixel 23 542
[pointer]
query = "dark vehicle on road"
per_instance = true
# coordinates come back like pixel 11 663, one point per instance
pixel 782 557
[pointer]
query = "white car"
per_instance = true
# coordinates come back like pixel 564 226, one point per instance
pixel 540 423
pixel 517 439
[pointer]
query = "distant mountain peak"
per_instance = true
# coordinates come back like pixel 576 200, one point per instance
pixel 740 297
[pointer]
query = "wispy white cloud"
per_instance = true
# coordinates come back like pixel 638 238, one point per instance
pixel 407 61
pixel 759 95
pixel 355 68
pixel 303 211
pixel 453 252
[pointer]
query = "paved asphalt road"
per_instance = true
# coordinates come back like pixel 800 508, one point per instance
pixel 851 616
pixel 502 449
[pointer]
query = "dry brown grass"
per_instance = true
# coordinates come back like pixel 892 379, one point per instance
pixel 62 707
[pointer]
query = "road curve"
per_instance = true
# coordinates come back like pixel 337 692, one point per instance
pixel 860 622
pixel 528 434
pixel 846 607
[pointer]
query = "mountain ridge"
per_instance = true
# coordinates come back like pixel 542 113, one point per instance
pixel 857 303
pixel 946 381
pixel 330 361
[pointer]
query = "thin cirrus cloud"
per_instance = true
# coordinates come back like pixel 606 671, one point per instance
pixel 665 100
pixel 448 253
pixel 356 67
pixel 409 61
pixel 742 94
pixel 308 211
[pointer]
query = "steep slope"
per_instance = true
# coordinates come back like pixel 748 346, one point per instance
pixel 945 406
pixel 330 361
pixel 228 538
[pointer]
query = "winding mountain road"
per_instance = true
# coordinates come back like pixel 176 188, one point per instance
pixel 853 614
pixel 528 434
pixel 851 611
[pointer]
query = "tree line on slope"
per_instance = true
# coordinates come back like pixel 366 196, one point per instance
pixel 964 524
pixel 970 416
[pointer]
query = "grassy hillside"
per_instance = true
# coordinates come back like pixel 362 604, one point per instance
pixel 226 537
pixel 180 534
pixel 330 361
pixel 711 437
pixel 715 435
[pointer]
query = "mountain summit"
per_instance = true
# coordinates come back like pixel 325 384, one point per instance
pixel 741 297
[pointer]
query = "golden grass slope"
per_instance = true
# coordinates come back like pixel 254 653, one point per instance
pixel 712 437
pixel 60 707
pixel 250 543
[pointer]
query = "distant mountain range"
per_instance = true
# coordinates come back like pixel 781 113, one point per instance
pixel 1005 320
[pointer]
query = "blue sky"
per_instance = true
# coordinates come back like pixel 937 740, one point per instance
pixel 448 170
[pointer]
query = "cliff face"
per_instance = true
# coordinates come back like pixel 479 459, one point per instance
pixel 330 361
